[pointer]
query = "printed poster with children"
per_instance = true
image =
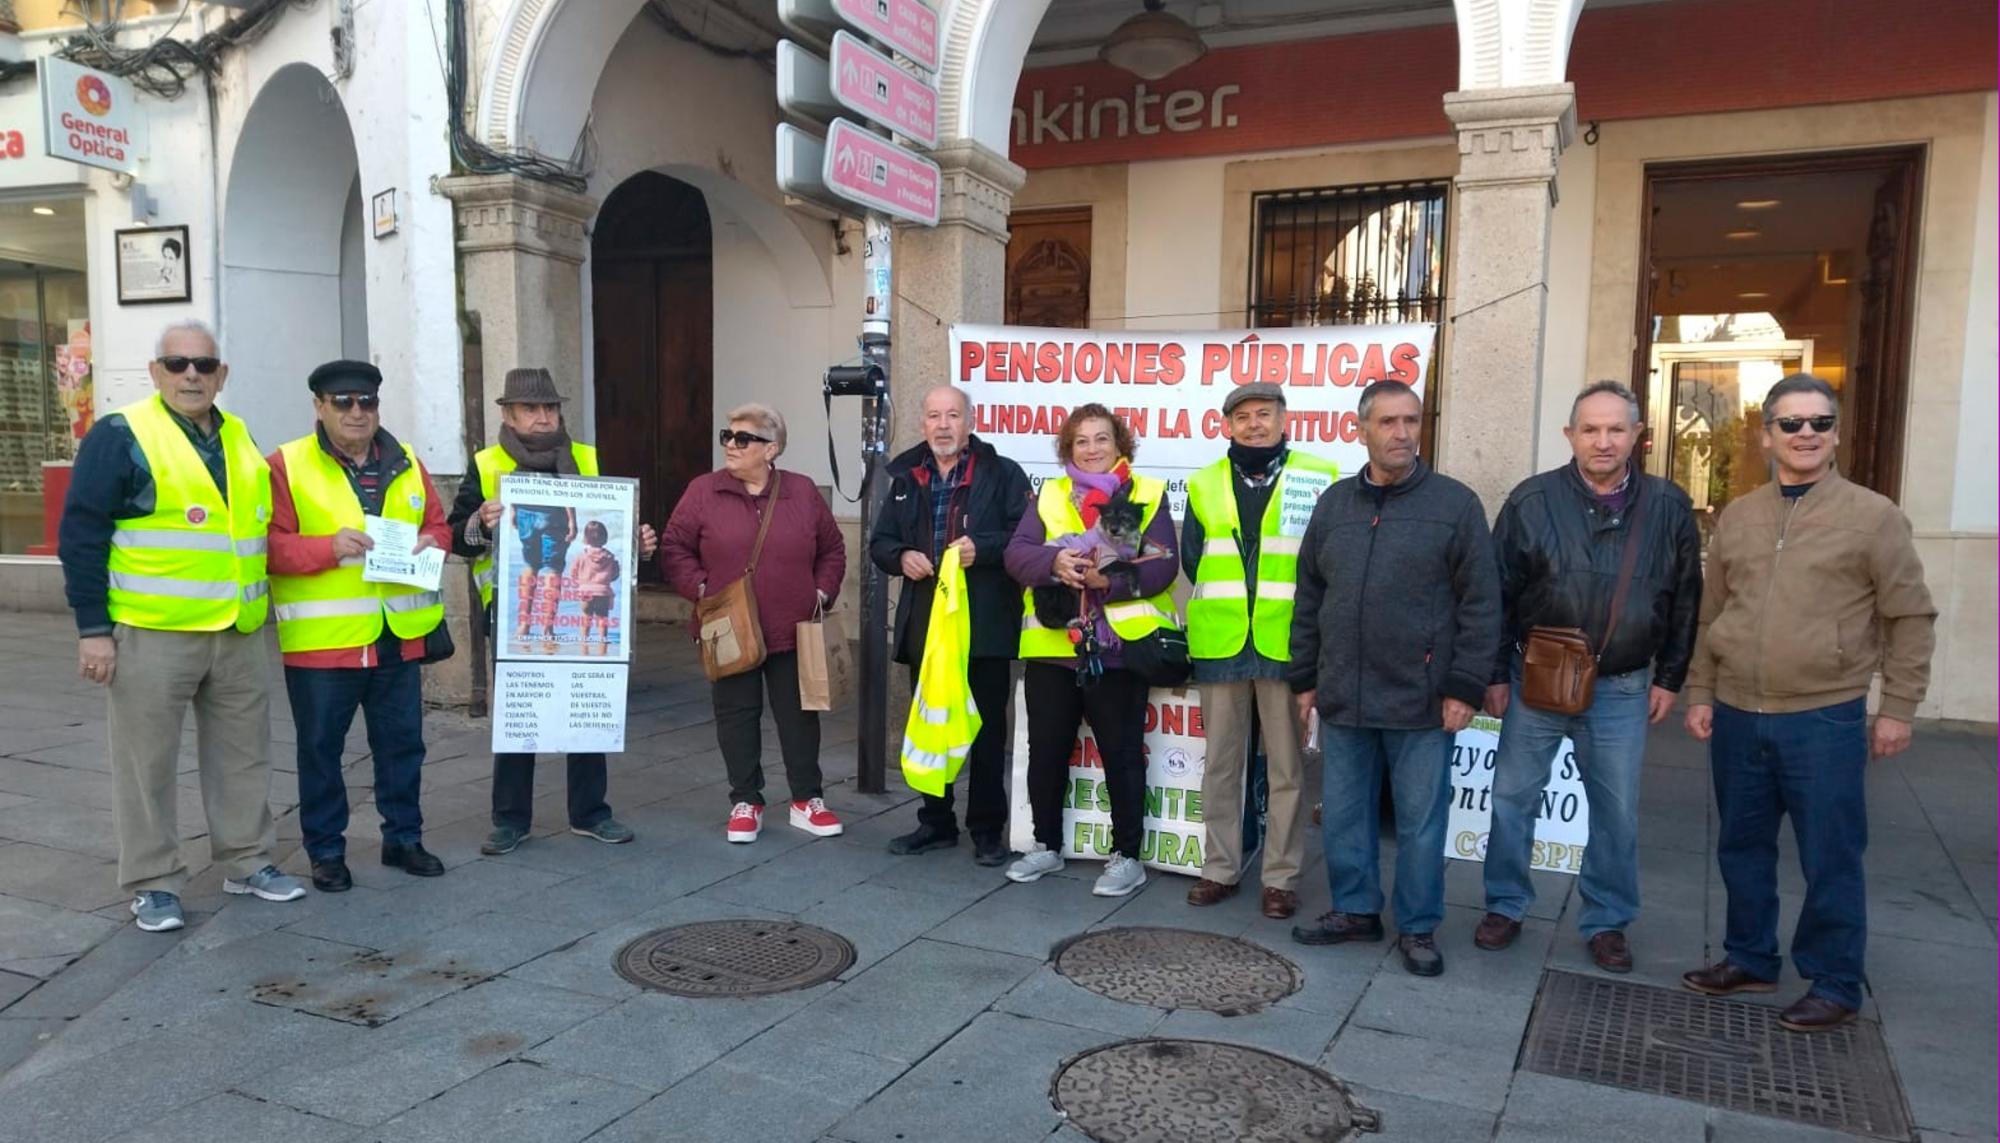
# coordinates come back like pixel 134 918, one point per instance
pixel 562 614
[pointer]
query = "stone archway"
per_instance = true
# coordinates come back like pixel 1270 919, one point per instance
pixel 294 289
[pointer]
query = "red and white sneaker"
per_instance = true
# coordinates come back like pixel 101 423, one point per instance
pixel 746 822
pixel 813 817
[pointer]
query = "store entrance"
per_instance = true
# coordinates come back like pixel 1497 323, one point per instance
pixel 1762 268
pixel 652 288
pixel 45 363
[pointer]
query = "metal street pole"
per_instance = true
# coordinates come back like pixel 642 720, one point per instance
pixel 872 740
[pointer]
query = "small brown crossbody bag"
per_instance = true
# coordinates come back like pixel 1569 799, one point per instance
pixel 732 640
pixel 1558 664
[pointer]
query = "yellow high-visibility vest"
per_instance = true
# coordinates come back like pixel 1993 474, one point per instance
pixel 336 608
pixel 196 562
pixel 1219 613
pixel 1131 618
pixel 494 463
pixel 944 719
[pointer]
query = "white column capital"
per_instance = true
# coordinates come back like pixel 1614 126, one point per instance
pixel 509 213
pixel 1512 135
pixel 978 187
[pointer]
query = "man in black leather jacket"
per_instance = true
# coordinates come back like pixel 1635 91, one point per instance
pixel 1561 543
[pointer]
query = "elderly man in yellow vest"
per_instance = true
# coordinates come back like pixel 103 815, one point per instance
pixel 162 547
pixel 1240 546
pixel 350 643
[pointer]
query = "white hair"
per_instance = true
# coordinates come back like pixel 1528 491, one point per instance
pixel 186 325
pixel 769 422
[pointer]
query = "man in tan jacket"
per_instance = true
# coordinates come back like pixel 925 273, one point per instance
pixel 1813 586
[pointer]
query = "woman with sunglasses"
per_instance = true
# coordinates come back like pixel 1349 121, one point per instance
pixel 1084 603
pixel 706 546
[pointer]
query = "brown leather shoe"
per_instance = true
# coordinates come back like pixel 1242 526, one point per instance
pixel 1724 978
pixel 1280 904
pixel 1814 1014
pixel 1496 931
pixel 1610 951
pixel 1206 892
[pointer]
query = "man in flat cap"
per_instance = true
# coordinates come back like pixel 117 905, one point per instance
pixel 350 643
pixel 533 438
pixel 1246 514
pixel 163 550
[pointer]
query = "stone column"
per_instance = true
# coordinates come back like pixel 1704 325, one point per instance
pixel 1508 142
pixel 521 246
pixel 953 273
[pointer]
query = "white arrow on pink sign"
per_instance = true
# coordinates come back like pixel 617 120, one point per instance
pixel 907 26
pixel 865 168
pixel 869 83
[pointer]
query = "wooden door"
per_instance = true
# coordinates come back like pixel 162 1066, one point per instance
pixel 1048 268
pixel 652 326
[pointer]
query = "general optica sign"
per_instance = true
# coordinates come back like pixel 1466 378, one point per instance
pixel 90 116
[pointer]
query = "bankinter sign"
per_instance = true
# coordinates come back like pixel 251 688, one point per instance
pixel 90 117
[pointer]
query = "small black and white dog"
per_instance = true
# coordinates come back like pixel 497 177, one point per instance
pixel 1113 542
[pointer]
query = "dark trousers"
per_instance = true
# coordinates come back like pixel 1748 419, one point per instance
pixel 1810 766
pixel 739 707
pixel 986 787
pixel 514 790
pixel 1116 707
pixel 390 698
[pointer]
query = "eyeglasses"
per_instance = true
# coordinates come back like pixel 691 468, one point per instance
pixel 179 364
pixel 740 439
pixel 346 401
pixel 1792 425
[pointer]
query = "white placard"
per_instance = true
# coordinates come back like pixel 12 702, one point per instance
pixel 575 534
pixel 547 706
pixel 391 561
pixel 1562 830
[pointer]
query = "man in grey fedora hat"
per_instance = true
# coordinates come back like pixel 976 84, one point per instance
pixel 533 438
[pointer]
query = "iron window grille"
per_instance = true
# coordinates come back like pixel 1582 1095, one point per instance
pixel 1351 255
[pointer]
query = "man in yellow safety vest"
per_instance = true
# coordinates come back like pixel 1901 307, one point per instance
pixel 350 643
pixel 1240 547
pixel 162 547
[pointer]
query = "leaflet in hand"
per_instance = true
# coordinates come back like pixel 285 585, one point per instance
pixel 390 560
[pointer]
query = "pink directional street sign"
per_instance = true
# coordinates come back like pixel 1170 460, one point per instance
pixel 908 26
pixel 869 83
pixel 863 167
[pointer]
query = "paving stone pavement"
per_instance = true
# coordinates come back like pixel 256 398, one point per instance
pixel 483 1005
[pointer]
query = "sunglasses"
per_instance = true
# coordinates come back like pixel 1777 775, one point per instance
pixel 1792 425
pixel 179 364
pixel 345 401
pixel 740 439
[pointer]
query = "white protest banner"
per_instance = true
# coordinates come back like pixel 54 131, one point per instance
pixel 562 612
pixel 1561 832
pixel 1169 387
pixel 1176 748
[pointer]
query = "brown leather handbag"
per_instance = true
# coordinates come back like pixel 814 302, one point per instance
pixel 1558 664
pixel 732 639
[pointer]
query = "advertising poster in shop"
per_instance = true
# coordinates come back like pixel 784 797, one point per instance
pixel 564 563
pixel 1169 387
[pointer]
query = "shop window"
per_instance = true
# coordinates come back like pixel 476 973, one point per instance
pixel 45 374
pixel 1353 255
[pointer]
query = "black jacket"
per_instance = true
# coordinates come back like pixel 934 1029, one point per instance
pixel 1559 551
pixel 987 506
pixel 1398 606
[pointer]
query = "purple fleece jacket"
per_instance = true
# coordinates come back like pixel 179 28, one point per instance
pixel 1031 560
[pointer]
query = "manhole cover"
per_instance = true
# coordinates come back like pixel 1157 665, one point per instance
pixel 1166 1091
pixel 1723 1053
pixel 1176 968
pixel 733 958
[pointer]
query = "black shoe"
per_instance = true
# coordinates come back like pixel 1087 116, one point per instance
pixel 990 851
pixel 1420 954
pixel 412 859
pixel 331 876
pixel 922 840
pixel 1339 928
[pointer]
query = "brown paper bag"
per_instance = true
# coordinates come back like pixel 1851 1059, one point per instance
pixel 839 661
pixel 815 676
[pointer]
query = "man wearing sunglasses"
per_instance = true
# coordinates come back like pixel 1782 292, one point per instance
pixel 163 545
pixel 1814 586
pixel 350 644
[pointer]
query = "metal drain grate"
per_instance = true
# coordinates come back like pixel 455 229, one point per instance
pixel 1177 968
pixel 1194 1091
pixel 1723 1053
pixel 733 958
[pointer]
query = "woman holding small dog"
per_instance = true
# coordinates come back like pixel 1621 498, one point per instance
pixel 1096 560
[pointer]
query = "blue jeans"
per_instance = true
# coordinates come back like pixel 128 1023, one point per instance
pixel 391 700
pixel 1809 765
pixel 1419 766
pixel 1610 741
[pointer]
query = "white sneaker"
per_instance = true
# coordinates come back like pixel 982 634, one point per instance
pixel 1035 864
pixel 1121 876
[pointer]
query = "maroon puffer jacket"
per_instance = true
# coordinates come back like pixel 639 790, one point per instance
pixel 707 542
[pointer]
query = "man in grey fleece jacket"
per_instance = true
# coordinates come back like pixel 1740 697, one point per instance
pixel 1394 633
